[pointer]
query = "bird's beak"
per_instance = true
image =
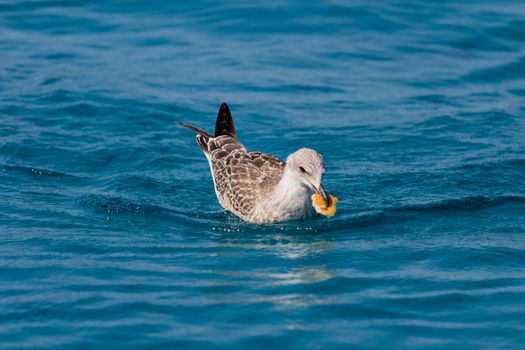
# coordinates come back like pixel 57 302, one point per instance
pixel 320 191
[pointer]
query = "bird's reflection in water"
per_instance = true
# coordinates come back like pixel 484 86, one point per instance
pixel 289 240
pixel 286 261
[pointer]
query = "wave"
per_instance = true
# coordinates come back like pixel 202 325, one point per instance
pixel 149 213
pixel 21 170
pixel 469 203
pixel 115 204
pixel 497 74
pixel 401 213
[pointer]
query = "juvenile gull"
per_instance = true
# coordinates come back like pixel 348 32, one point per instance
pixel 258 187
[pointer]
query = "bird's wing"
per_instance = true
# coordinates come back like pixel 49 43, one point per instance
pixel 242 178
pixel 272 169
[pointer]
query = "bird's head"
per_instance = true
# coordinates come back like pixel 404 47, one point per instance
pixel 307 167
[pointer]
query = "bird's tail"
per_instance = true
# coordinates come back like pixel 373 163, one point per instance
pixel 202 138
pixel 224 124
pixel 196 129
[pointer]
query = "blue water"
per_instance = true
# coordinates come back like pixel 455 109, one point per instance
pixel 110 233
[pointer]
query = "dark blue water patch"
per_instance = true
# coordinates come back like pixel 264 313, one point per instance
pixel 285 20
pixel 437 83
pixel 482 42
pixel 437 99
pixel 511 71
pixel 360 56
pixel 59 56
pixel 116 205
pixel 29 5
pixel 517 92
pixel 50 81
pixel 59 23
pixel 468 204
pixel 492 38
pixel 56 96
pixel 20 174
pixel 397 215
pixel 512 31
pixel 117 208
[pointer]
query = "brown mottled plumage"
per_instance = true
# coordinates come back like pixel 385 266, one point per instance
pixel 253 185
pixel 241 178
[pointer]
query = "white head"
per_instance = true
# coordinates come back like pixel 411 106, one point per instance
pixel 306 166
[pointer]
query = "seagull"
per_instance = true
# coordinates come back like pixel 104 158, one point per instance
pixel 258 187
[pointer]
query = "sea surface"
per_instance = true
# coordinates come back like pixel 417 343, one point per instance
pixel 110 233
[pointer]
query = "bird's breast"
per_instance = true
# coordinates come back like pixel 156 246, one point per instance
pixel 289 201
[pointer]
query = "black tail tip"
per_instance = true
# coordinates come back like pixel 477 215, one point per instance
pixel 224 108
pixel 224 124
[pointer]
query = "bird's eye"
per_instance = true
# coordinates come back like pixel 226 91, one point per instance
pixel 302 169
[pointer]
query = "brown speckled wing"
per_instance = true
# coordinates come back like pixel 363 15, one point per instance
pixel 242 178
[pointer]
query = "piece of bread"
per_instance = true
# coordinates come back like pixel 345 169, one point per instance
pixel 321 206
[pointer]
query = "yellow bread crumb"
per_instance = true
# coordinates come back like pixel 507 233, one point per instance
pixel 321 206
